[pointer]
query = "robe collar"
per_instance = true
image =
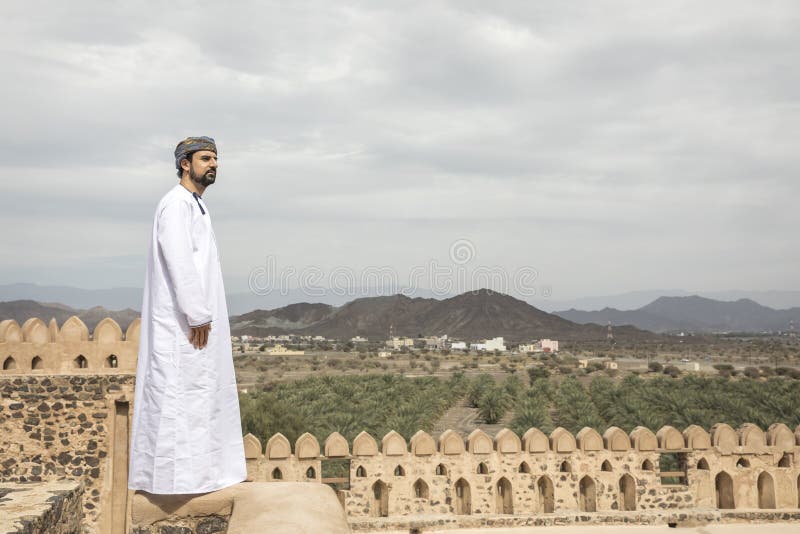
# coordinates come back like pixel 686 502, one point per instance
pixel 196 198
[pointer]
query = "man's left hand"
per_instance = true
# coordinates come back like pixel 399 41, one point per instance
pixel 198 335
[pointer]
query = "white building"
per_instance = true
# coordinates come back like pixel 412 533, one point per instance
pixel 543 345
pixel 458 345
pixel 549 345
pixel 489 345
pixel 495 344
pixel 358 339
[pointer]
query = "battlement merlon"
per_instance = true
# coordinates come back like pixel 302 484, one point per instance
pixel 35 348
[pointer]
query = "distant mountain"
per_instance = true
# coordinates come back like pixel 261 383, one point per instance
pixel 115 298
pixel 22 310
pixel 243 302
pixel 131 297
pixel 692 314
pixel 119 298
pixel 280 320
pixel 471 316
pixel 462 315
pixel 777 300
pixel 630 300
pixel 633 300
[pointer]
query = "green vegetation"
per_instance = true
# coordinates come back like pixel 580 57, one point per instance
pixel 533 408
pixel 575 406
pixel 678 402
pixel 493 404
pixel 380 403
pixel 348 405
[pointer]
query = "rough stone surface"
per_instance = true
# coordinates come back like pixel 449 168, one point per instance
pixel 41 508
pixel 212 525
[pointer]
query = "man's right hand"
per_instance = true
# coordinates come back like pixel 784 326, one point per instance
pixel 198 335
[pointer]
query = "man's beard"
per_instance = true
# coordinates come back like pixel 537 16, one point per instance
pixel 205 180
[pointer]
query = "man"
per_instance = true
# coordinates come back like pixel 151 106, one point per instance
pixel 186 435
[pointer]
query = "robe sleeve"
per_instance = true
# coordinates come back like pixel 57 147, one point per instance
pixel 175 243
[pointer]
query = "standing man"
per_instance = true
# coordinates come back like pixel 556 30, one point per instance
pixel 187 434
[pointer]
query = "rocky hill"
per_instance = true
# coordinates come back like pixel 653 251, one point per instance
pixel 471 316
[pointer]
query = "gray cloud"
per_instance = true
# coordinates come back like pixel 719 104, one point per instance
pixel 613 145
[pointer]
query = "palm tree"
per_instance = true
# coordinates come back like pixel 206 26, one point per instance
pixel 493 405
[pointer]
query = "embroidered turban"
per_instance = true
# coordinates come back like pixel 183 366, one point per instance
pixel 193 144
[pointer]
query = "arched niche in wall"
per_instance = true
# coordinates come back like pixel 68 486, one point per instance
pixel 73 330
pixel 278 448
pixel 507 442
pixel 535 441
pixel 107 331
pixel 451 443
pixel 562 441
pixel 306 447
pixel 365 445
pixel 422 444
pixel 336 446
pixel 615 439
pixel 393 444
pixel 724 438
pixel 696 438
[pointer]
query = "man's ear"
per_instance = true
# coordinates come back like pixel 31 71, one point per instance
pixel 185 165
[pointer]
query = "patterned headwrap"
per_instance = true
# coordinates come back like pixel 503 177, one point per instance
pixel 193 144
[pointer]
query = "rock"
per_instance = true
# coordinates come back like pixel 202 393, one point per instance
pixel 212 525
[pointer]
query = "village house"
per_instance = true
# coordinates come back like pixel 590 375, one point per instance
pixel 489 345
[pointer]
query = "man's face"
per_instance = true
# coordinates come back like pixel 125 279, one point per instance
pixel 203 167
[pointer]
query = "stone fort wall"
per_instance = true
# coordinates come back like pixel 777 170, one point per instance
pixel 66 410
pixel 589 472
pixel 37 348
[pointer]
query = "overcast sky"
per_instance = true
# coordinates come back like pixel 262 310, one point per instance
pixel 610 146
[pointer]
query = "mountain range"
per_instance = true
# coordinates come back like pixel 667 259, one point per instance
pixel 692 314
pixel 470 316
pixel 241 302
pixel 633 300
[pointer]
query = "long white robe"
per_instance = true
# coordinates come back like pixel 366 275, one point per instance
pixel 186 435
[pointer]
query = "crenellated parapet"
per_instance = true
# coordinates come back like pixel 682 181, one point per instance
pixel 539 473
pixel 39 348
